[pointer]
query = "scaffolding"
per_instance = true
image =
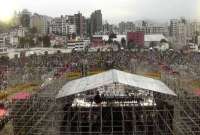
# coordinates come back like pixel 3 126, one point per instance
pixel 117 116
pixel 167 115
pixel 141 112
pixel 186 111
pixel 32 115
pixel 44 114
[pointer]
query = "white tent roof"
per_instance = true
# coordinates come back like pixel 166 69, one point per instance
pixel 110 77
pixel 154 37
pixel 106 37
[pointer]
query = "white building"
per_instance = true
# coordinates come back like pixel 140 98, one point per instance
pixel 13 36
pixel 152 29
pixel 173 27
pixel 70 29
pixel 181 34
pixel 62 26
pixel 125 27
pixel 2 41
pixel 58 25
pixel 195 27
pixel 155 38
pixel 78 44
pixel 162 46
pixel 58 41
pixel 193 47
pixel 14 41
pixel 21 31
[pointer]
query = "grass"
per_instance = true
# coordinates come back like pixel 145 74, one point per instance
pixel 195 84
pixel 77 75
pixel 9 92
pixel 7 130
pixel 154 75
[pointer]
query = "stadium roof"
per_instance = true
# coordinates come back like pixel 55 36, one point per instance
pixel 110 77
pixel 154 37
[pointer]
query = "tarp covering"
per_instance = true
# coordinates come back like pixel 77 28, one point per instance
pixel 110 77
pixel 197 91
pixel 3 112
pixel 21 96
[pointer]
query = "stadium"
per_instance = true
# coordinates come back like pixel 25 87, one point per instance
pixel 99 95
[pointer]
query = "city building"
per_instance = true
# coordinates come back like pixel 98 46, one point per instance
pixel 14 38
pixel 58 41
pixel 24 18
pixel 70 29
pixel 79 22
pixel 16 19
pixel 173 27
pixel 125 27
pixel 87 24
pixel 193 29
pixel 72 24
pixel 96 22
pixel 122 27
pixel 56 26
pixel 107 28
pixel 136 38
pixel 2 41
pixel 11 38
pixel 62 26
pixel 151 29
pixel 41 23
pixel 181 34
pixel 97 40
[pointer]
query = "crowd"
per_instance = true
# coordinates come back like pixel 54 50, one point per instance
pixel 28 67
pixel 3 78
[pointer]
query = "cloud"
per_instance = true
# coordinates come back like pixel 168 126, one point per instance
pixel 116 10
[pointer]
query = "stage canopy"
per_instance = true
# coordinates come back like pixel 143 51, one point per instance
pixel 110 77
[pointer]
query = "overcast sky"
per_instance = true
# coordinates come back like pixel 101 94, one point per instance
pixel 114 10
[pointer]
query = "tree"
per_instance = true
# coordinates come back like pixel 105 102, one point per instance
pixel 4 27
pixel 111 36
pixel 4 60
pixel 46 41
pixel 171 45
pixel 22 42
pixel 123 42
pixel 163 41
pixel 131 45
pixel 86 49
pixel 110 40
pixel 33 30
pixel 31 42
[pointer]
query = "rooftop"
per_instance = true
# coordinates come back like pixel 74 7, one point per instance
pixel 110 77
